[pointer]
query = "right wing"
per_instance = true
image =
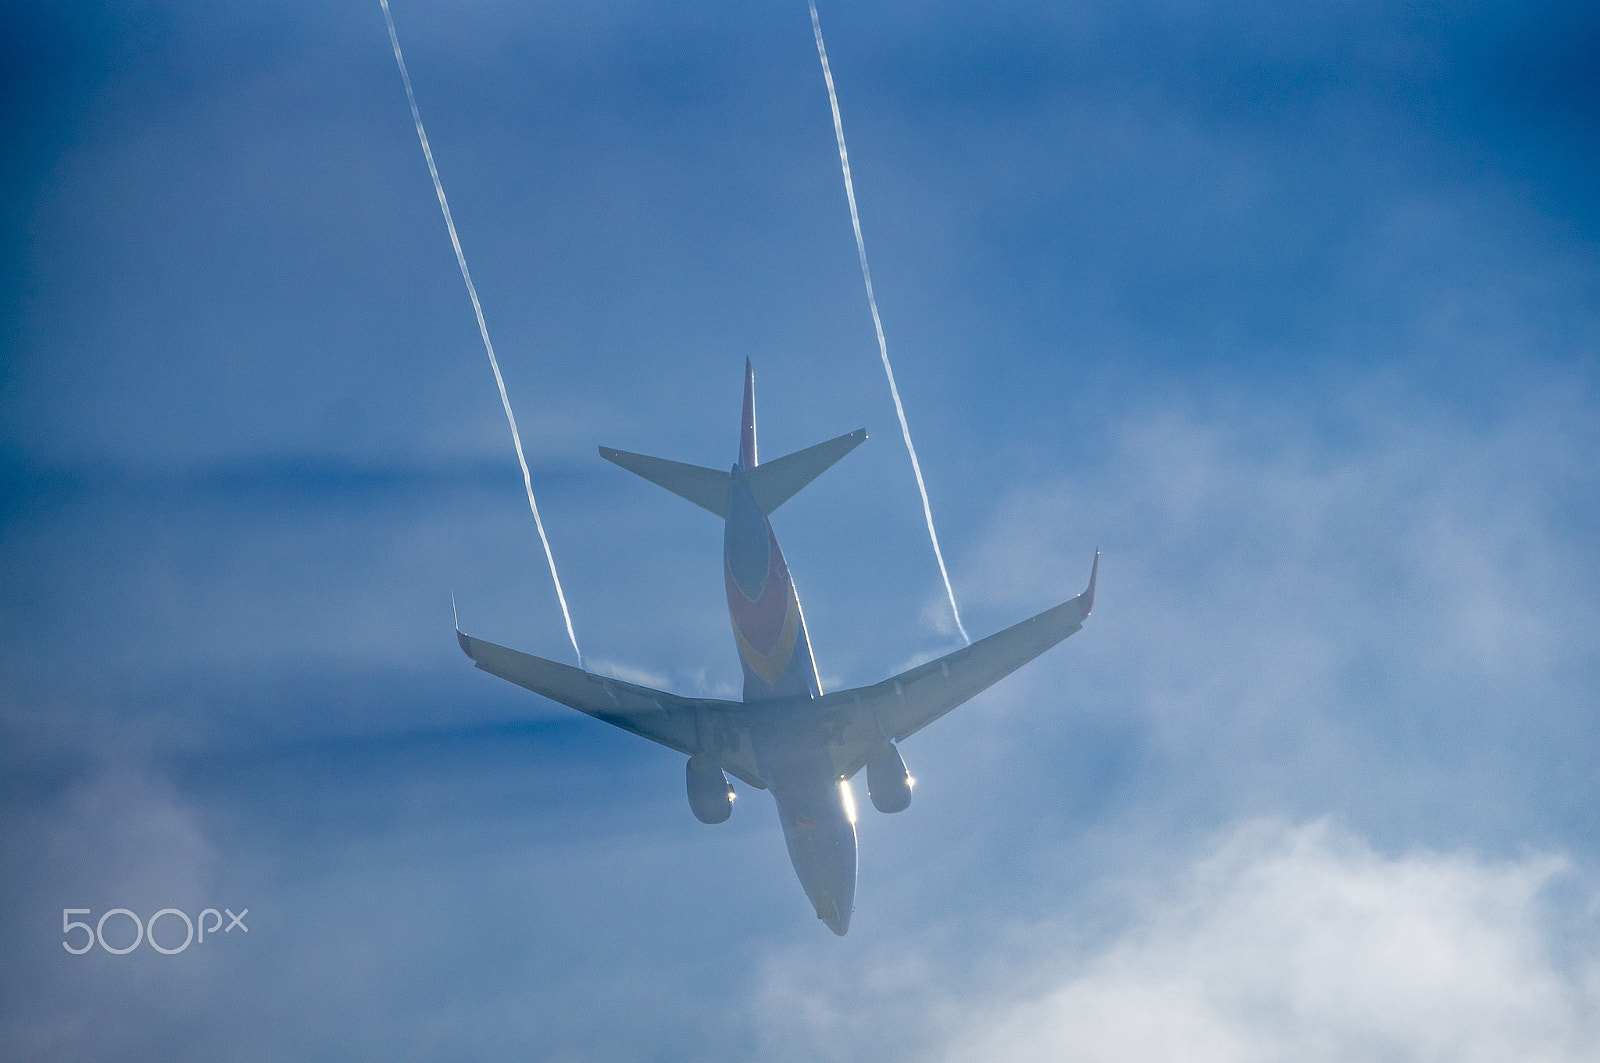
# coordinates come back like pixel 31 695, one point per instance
pixel 860 720
pixel 695 726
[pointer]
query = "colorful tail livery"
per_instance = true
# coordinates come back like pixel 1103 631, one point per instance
pixel 786 736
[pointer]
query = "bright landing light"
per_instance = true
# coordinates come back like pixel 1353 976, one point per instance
pixel 849 799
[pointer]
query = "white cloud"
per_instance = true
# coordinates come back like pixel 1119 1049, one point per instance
pixel 117 837
pixel 1385 626
pixel 1305 944
pixel 1285 943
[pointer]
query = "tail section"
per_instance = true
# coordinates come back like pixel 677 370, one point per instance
pixel 772 484
pixel 747 424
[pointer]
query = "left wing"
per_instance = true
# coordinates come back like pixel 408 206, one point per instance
pixel 695 726
pixel 860 721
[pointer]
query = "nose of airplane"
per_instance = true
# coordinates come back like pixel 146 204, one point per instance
pixel 834 916
pixel 837 898
pixel 822 847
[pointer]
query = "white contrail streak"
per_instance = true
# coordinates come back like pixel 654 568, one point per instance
pixel 483 329
pixel 877 322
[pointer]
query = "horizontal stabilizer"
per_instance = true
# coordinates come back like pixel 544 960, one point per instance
pixel 772 483
pixel 775 482
pixel 706 488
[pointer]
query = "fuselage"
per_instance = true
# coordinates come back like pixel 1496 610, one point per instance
pixel 780 681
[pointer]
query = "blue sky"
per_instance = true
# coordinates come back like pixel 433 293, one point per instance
pixel 1292 311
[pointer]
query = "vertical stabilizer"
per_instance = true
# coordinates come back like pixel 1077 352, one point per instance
pixel 747 427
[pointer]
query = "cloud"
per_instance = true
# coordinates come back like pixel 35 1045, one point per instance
pixel 1381 620
pixel 1305 944
pixel 1282 943
pixel 119 837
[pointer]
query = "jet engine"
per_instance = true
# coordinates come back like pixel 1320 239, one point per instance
pixel 710 793
pixel 888 782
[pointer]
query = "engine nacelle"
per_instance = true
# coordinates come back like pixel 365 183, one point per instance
pixel 888 782
pixel 710 793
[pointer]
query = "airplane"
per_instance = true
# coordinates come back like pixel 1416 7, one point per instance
pixel 786 736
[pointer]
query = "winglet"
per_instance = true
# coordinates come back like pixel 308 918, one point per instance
pixel 466 646
pixel 1088 595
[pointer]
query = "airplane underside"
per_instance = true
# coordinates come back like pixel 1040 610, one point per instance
pixel 786 736
pixel 818 829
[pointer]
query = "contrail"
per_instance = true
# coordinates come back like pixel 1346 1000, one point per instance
pixel 877 322
pixel 483 329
